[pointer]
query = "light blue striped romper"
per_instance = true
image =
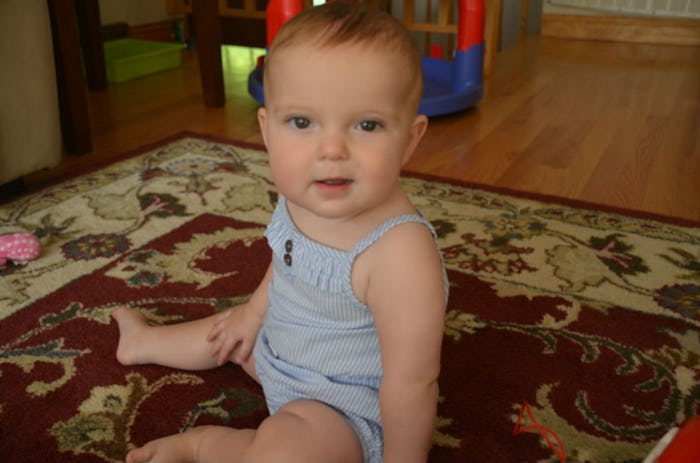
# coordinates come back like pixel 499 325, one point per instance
pixel 318 341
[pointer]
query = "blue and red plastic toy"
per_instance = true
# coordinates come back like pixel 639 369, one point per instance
pixel 449 85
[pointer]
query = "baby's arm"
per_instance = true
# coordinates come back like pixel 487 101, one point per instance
pixel 406 295
pixel 233 335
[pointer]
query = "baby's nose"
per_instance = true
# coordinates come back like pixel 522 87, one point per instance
pixel 333 146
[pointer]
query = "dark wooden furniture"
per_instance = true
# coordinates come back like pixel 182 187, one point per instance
pixel 71 82
pixel 207 30
pixel 76 32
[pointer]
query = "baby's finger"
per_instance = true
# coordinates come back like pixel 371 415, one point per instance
pixel 214 353
pixel 213 334
pixel 220 341
pixel 244 350
pixel 226 352
pixel 215 330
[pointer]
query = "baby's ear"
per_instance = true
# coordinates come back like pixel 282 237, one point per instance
pixel 418 128
pixel 262 122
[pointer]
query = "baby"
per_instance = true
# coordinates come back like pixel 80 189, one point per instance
pixel 344 331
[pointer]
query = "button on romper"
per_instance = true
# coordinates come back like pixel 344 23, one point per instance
pixel 318 341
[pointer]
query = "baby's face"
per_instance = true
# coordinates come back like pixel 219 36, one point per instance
pixel 338 125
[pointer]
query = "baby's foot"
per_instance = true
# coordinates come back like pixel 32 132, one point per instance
pixel 131 325
pixel 178 448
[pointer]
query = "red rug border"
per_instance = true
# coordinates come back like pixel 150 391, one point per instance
pixel 545 198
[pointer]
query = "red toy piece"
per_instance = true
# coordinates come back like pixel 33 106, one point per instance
pixel 685 445
pixel 279 12
pixel 470 25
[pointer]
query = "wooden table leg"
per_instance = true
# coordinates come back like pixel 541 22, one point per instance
pixel 207 31
pixel 72 97
pixel 492 31
pixel 90 31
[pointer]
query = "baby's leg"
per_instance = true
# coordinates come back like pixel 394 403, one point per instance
pixel 302 431
pixel 184 447
pixel 182 345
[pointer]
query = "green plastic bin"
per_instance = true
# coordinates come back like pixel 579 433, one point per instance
pixel 128 59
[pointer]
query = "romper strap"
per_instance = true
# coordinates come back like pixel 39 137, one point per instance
pixel 378 232
pixel 388 225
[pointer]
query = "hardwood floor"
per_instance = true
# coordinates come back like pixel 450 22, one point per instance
pixel 609 123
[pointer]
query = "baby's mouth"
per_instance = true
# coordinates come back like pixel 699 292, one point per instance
pixel 334 181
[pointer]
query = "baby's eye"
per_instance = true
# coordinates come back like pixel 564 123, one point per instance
pixel 368 126
pixel 299 122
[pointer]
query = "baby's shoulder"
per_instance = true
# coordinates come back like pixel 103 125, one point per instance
pixel 403 248
pixel 406 253
pixel 409 237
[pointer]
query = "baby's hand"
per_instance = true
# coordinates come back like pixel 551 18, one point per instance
pixel 232 337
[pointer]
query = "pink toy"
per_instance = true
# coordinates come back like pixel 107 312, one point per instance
pixel 18 248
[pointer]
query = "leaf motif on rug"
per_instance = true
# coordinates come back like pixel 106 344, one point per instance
pixel 441 438
pixel 458 323
pixel 249 199
pixel 578 268
pixel 228 405
pixel 52 352
pixel 685 262
pixel 102 425
pixel 151 268
pixel 116 206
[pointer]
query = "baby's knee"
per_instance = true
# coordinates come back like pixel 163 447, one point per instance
pixel 270 436
pixel 307 431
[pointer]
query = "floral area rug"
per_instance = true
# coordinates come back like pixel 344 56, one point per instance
pixel 572 333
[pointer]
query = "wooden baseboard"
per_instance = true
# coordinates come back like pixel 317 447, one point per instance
pixel 623 29
pixel 162 31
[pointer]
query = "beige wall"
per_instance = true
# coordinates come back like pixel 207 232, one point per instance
pixel 133 12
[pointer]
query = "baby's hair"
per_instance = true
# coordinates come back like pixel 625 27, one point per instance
pixel 339 23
